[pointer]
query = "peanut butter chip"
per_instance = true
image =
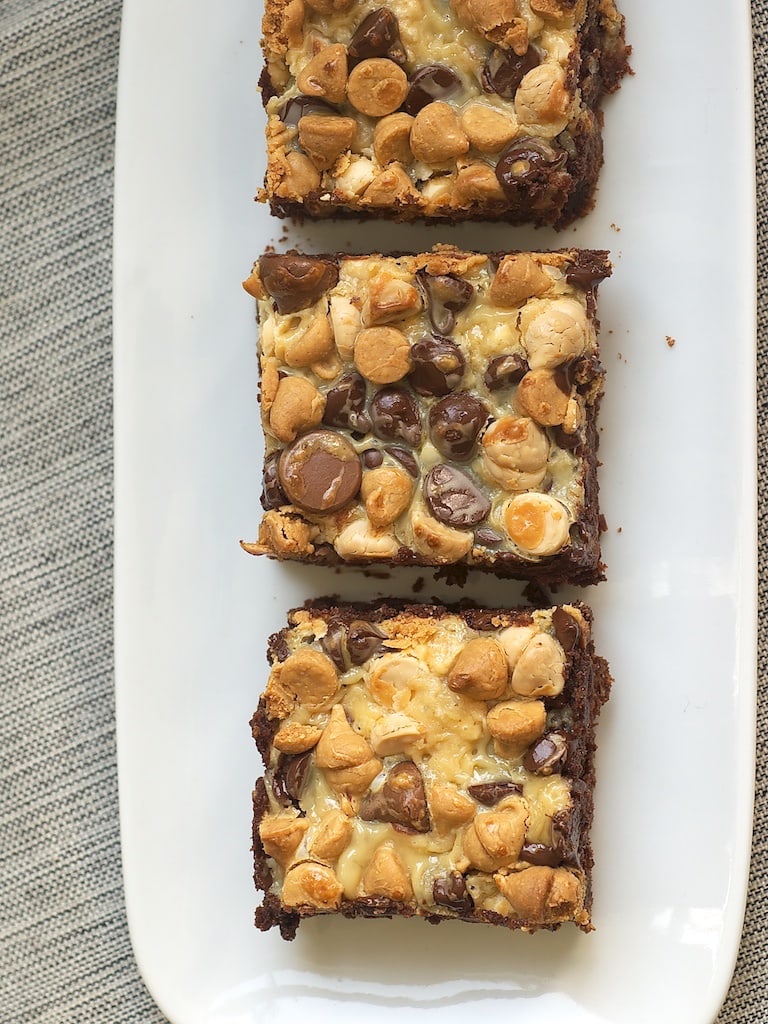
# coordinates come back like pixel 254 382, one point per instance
pixel 297 406
pixel 480 670
pixel 391 139
pixel 324 139
pixel 382 354
pixel 544 396
pixel 515 452
pixel 518 278
pixel 386 875
pixel 436 134
pixel 320 472
pixel 537 523
pixel 325 75
pixel 377 87
pixel 306 676
pixel 311 884
pixel 487 129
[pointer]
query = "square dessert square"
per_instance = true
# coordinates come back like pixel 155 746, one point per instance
pixel 432 410
pixel 468 110
pixel 430 761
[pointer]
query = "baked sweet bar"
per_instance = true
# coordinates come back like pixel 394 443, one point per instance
pixel 432 410
pixel 477 109
pixel 428 761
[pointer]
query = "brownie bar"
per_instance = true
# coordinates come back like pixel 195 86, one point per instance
pixel 430 761
pixel 432 410
pixel 473 110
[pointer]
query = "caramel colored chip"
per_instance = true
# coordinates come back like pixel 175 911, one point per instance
pixel 391 139
pixel 311 884
pixel 480 669
pixel 518 278
pixel 537 523
pixel 297 406
pixel 325 76
pixel 382 354
pixel 544 396
pixel 324 139
pixel 436 134
pixel 377 87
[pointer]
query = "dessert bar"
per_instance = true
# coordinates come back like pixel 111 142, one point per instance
pixel 430 761
pixel 473 109
pixel 432 410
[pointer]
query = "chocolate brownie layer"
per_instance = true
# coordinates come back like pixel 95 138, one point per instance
pixel 432 410
pixel 477 109
pixel 429 761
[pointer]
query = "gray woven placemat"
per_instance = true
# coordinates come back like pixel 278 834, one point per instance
pixel 65 955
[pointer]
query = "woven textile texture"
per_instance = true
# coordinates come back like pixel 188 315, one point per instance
pixel 65 954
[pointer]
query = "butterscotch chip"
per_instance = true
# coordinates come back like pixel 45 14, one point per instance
pixel 537 523
pixel 487 129
pixel 297 406
pixel 391 139
pixel 382 354
pixel 422 800
pixel 324 139
pixel 325 76
pixel 377 87
pixel 436 134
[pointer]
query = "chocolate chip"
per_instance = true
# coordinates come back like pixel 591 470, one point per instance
pixel 345 405
pixel 504 70
pixel 320 471
pixel 364 639
pixel 446 296
pixel 546 754
pixel 395 416
pixel 451 891
pixel 588 272
pixel 489 793
pixel 488 537
pixel 295 281
pixel 453 498
pixel 527 162
pixel 334 643
pixel 377 35
pixel 400 801
pixel 563 440
pixel 428 83
pixel 567 629
pixel 406 459
pixel 438 365
pixel 455 423
pixel 504 371
pixel 272 495
pixel 372 458
pixel 290 776
pixel 542 855
pixel 297 107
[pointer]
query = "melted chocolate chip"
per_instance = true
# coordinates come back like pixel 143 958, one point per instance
pixel 406 459
pixel 587 273
pixel 567 629
pixel 488 537
pixel 363 641
pixel 542 855
pixel 320 471
pixel 504 70
pixel 428 83
pixel 455 423
pixel 294 281
pixel 438 365
pixel 334 643
pixel 400 801
pixel 289 777
pixel 377 35
pixel 272 495
pixel 563 440
pixel 527 162
pixel 345 405
pixel 297 107
pixel 446 296
pixel 453 498
pixel 451 891
pixel 395 416
pixel 547 754
pixel 372 458
pixel 504 371
pixel 489 793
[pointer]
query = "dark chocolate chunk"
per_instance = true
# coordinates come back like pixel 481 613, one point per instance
pixel 547 754
pixel 455 423
pixel 297 107
pixel 272 495
pixel 446 296
pixel 320 471
pixel 289 777
pixel 489 793
pixel 542 855
pixel 453 498
pixel 564 440
pixel 438 365
pixel 588 272
pixel 400 801
pixel 406 459
pixel 395 416
pixel 364 639
pixel 527 162
pixel 295 281
pixel 377 35
pixel 567 629
pixel 372 458
pixel 504 371
pixel 428 83
pixel 504 70
pixel 345 405
pixel 451 891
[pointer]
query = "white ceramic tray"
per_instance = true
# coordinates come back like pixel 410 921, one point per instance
pixel 676 618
